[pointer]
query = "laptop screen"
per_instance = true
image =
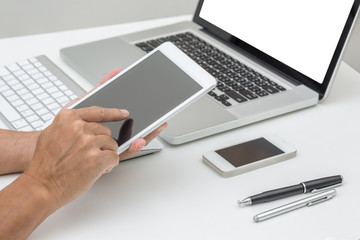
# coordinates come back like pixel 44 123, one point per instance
pixel 303 39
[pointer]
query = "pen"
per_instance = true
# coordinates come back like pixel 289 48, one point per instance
pixel 320 184
pixel 308 201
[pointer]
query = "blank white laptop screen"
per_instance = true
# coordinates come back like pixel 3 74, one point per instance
pixel 301 34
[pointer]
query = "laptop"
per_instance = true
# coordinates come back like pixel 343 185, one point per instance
pixel 269 57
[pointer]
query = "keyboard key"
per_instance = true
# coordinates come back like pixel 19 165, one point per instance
pixel 47 117
pixel 8 93
pixel 38 91
pixel 237 97
pixel 22 108
pixel 32 118
pixel 28 67
pixel 63 99
pixel 8 111
pixel 27 96
pixel 37 124
pixel 53 106
pixel 42 111
pixel 17 102
pixel 32 101
pixel 57 94
pixel 3 71
pixel 69 93
pixel 43 69
pixel 4 88
pixel 37 106
pixel 13 67
pixel 19 123
pixel 19 73
pixel 26 129
pixel 52 89
pixel 27 112
pixel 33 71
pixel 248 94
pixel 13 98
pixel 43 95
pixel 23 62
pixel 270 89
pixel 8 78
pixel 33 60
pixel 37 75
pixel 48 100
pixel 56 110
pixel 226 103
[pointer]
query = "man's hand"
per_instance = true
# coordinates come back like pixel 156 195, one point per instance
pixel 74 151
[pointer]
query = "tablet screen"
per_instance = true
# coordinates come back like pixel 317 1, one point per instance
pixel 148 91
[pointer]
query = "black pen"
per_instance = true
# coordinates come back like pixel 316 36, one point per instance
pixel 304 187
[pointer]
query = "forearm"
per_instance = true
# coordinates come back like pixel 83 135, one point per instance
pixel 24 204
pixel 16 150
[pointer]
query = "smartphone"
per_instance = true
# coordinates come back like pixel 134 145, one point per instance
pixel 153 89
pixel 249 155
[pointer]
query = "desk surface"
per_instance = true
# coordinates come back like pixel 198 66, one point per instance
pixel 174 195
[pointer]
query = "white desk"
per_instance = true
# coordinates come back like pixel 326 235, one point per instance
pixel 174 195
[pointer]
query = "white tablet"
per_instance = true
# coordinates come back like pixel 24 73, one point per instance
pixel 152 89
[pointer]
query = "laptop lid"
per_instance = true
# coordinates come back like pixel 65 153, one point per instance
pixel 302 40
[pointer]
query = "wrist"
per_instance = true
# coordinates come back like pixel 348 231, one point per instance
pixel 24 205
pixel 17 150
pixel 40 193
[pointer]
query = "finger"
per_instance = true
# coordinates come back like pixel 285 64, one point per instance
pixel 125 131
pixel 109 160
pixel 107 77
pixel 98 129
pixel 110 75
pixel 72 102
pixel 155 133
pixel 106 143
pixel 100 114
pixel 134 149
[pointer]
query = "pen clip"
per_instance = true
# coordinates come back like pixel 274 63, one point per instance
pixel 325 188
pixel 326 198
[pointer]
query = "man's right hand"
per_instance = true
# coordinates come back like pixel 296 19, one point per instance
pixel 74 151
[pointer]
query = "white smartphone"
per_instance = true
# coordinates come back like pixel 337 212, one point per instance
pixel 152 89
pixel 249 155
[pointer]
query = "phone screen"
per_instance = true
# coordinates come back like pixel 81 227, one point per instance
pixel 148 91
pixel 249 152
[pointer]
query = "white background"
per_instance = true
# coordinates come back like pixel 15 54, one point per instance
pixel 302 34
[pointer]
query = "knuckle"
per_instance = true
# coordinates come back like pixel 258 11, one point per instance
pixel 77 125
pixel 87 139
pixel 99 110
pixel 107 131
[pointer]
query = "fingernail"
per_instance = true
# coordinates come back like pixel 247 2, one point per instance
pixel 125 112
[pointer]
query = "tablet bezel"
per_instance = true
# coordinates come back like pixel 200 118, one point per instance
pixel 186 64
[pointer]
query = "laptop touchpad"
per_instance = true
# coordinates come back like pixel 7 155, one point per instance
pixel 184 122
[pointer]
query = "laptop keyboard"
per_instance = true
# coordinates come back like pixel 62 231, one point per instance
pixel 30 94
pixel 236 82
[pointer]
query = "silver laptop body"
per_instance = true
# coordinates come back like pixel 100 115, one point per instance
pixel 206 116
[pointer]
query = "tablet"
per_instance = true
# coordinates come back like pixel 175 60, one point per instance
pixel 152 89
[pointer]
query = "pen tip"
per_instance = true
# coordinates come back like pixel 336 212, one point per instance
pixel 245 202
